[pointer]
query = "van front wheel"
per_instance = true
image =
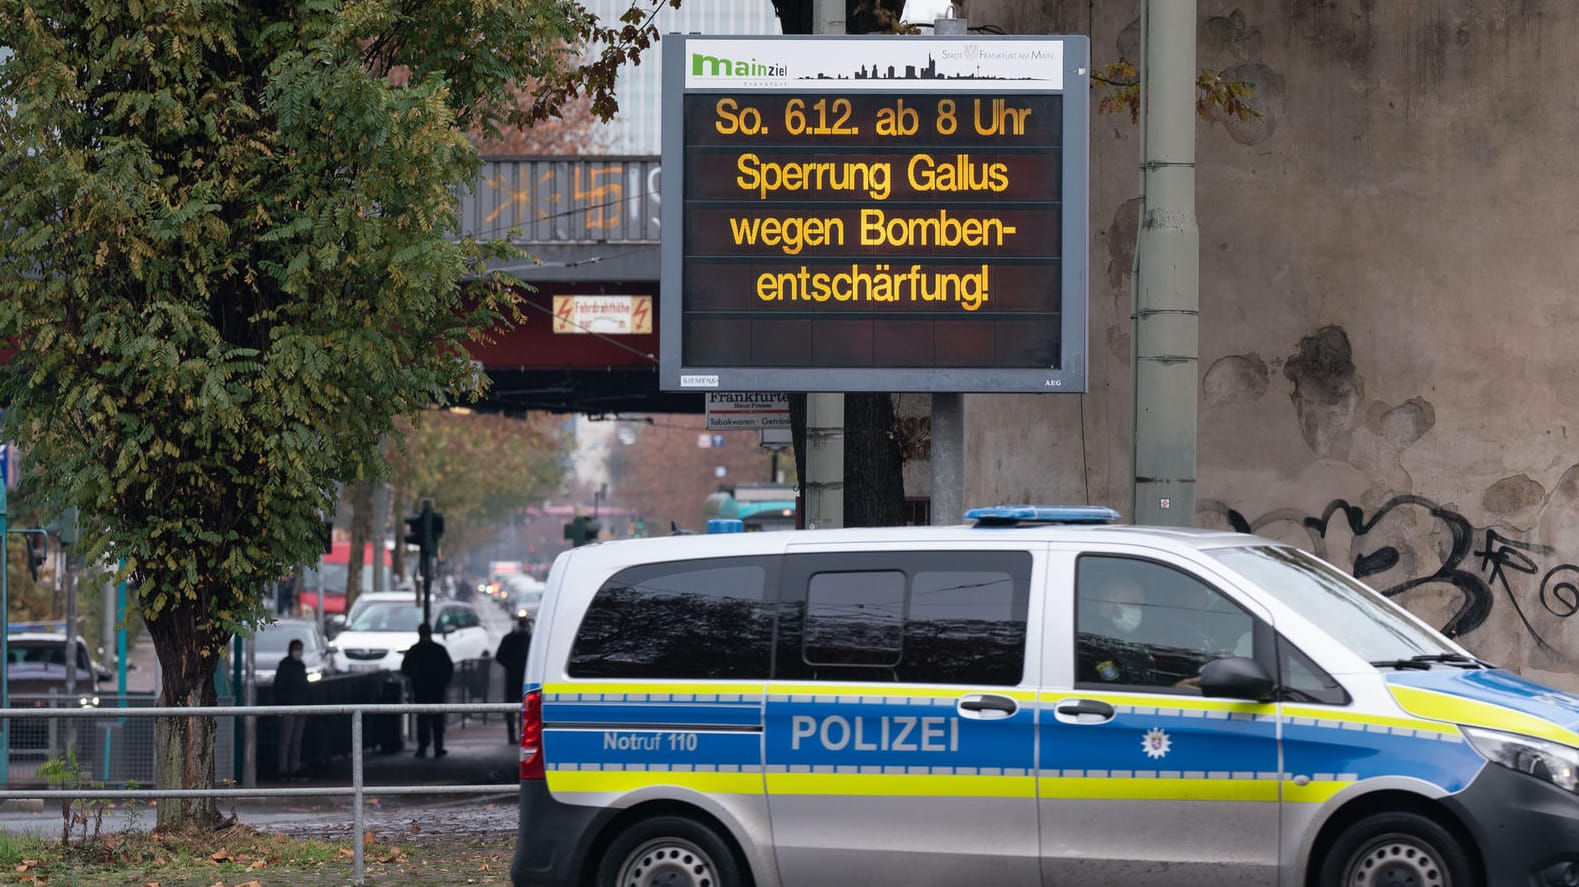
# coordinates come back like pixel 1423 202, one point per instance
pixel 1397 849
pixel 669 851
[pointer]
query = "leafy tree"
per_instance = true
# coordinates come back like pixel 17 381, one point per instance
pixel 228 261
pixel 1213 92
pixel 664 476
pixel 478 469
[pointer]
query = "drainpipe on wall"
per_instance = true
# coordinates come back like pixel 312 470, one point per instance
pixel 1166 285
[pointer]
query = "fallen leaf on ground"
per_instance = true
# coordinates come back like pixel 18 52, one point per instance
pixel 27 864
pixel 221 856
pixel 250 884
pixel 257 865
pixel 347 853
pixel 391 856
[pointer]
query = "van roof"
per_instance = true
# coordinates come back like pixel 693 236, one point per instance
pixel 703 545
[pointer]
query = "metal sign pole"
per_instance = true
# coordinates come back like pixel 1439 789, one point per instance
pixel 5 626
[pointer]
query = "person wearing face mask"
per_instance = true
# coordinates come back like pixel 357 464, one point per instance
pixel 1110 650
pixel 290 688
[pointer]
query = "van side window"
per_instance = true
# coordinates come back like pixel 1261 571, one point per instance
pixel 855 619
pixel 1302 680
pixel 1145 624
pixel 684 619
pixel 928 617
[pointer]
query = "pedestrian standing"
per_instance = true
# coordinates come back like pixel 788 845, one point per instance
pixel 429 667
pixel 290 688
pixel 512 655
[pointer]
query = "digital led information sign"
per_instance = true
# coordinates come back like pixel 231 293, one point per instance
pixel 874 214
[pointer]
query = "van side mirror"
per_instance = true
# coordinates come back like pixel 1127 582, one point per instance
pixel 1236 677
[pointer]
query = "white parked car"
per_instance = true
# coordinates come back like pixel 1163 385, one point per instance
pixel 381 631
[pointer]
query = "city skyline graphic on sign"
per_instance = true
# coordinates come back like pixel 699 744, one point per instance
pixel 908 72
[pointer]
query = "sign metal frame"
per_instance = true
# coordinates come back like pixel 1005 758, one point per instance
pixel 822 66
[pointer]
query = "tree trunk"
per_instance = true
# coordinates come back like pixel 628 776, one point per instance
pixel 397 519
pixel 874 482
pixel 185 745
pixel 361 533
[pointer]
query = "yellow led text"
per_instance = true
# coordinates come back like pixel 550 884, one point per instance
pixel 817 175
pixel 881 284
pixel 924 173
pixel 791 233
pixel 878 229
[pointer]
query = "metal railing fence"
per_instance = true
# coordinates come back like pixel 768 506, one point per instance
pixel 116 750
pixel 357 790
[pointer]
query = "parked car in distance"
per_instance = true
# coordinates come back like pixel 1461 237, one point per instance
pixel 36 677
pixel 272 642
pixel 381 631
pixel 337 622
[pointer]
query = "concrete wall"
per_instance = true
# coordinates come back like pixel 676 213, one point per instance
pixel 1387 306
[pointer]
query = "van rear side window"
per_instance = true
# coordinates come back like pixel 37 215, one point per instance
pixel 684 619
pixel 935 617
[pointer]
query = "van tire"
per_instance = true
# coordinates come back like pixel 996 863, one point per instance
pixel 1402 844
pixel 668 846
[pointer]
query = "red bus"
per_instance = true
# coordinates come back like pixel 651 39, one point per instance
pixel 331 576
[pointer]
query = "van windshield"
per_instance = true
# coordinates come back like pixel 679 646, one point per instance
pixel 1340 605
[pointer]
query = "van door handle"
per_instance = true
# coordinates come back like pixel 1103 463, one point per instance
pixel 988 706
pixel 1084 711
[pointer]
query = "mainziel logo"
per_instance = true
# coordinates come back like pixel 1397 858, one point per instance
pixel 713 66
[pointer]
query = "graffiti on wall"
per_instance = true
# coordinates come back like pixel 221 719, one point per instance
pixel 1411 543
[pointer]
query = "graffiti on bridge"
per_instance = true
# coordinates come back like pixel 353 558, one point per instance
pixel 1412 542
pixel 599 197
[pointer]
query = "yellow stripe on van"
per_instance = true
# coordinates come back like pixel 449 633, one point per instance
pixel 1181 703
pixel 1313 792
pixel 903 691
pixel 621 782
pixel 1346 716
pixel 1150 789
pixel 647 688
pixel 1474 713
pixel 896 785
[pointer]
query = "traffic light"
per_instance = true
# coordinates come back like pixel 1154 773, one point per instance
pixel 37 553
pixel 582 530
pixel 65 528
pixel 424 529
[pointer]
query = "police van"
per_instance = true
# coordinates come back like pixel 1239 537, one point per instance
pixel 1044 697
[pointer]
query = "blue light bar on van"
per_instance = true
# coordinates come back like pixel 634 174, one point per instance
pixel 1012 515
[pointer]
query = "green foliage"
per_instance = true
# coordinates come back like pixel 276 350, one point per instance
pixel 478 469
pixel 67 773
pixel 1213 91
pixel 228 261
